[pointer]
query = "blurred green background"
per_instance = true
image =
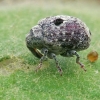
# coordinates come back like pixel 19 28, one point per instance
pixel 63 1
pixel 18 79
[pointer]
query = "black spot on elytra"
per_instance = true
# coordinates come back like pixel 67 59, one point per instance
pixel 58 21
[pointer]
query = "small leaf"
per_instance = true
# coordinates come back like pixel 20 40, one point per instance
pixel 92 56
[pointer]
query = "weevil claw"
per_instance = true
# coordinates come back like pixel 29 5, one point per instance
pixel 82 66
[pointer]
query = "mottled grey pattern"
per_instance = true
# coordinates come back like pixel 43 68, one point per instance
pixel 59 34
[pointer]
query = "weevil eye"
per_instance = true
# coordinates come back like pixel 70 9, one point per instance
pixel 58 21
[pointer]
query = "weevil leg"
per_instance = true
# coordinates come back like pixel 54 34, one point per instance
pixel 77 59
pixel 57 64
pixel 42 59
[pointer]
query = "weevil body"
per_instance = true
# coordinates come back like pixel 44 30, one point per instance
pixel 58 35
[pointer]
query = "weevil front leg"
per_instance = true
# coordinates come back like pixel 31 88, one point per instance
pixel 77 59
pixel 45 51
pixel 57 64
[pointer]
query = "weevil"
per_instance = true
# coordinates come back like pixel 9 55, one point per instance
pixel 58 35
